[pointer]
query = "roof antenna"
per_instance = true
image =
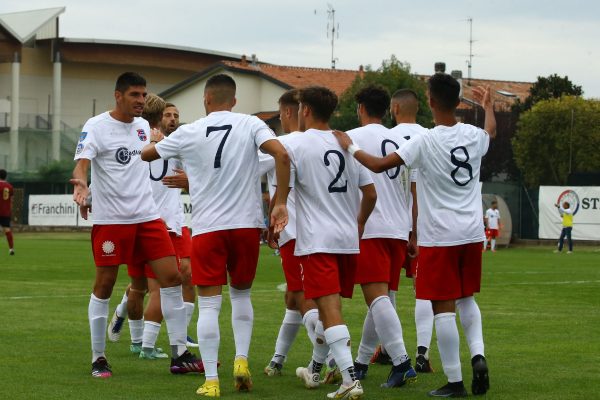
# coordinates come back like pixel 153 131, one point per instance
pixel 470 60
pixel 335 34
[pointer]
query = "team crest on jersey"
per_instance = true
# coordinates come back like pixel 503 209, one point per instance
pixel 82 136
pixel 80 147
pixel 570 197
pixel 142 135
pixel 123 156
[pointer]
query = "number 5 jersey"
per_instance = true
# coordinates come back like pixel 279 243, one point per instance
pixel 448 192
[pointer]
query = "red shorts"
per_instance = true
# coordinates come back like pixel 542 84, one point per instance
pixel 183 249
pixel 380 260
pixel 324 274
pixel 131 244
pixel 492 233
pixel 291 267
pixel 214 254
pixel 448 273
pixel 410 266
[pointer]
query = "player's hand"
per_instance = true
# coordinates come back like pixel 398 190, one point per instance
pixel 279 218
pixel 343 139
pixel 84 210
pixel 361 230
pixel 412 248
pixel 80 191
pixel 272 239
pixel 156 135
pixel 483 96
pixel 177 181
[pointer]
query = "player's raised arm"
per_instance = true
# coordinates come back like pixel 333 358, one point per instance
pixel 279 217
pixel 149 152
pixel 483 96
pixel 375 164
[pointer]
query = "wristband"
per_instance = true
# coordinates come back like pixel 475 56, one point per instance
pixel 154 141
pixel 353 148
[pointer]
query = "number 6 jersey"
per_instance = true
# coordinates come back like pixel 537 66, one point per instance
pixel 219 153
pixel 326 180
pixel 448 191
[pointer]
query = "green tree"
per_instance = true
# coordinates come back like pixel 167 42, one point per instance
pixel 558 136
pixel 551 87
pixel 393 75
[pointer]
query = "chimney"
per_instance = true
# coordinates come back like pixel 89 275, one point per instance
pixel 254 60
pixel 361 71
pixel 244 60
pixel 457 74
pixel 440 67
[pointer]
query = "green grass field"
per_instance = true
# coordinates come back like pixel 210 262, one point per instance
pixel 541 316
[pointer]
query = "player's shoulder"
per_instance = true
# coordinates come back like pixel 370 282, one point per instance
pixel 97 120
pixel 368 132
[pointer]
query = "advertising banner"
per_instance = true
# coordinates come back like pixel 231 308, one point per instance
pixel 585 203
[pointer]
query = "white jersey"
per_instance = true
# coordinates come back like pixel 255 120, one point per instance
pixel 390 217
pixel 492 216
pixel 408 131
pixel 449 194
pixel 120 185
pixel 220 154
pixel 326 180
pixel 168 200
pixel 267 166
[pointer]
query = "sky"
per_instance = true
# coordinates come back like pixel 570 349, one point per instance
pixel 515 40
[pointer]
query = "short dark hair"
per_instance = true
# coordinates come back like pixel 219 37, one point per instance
pixel 494 202
pixel 167 105
pixel 3 174
pixel 405 93
pixel 222 87
pixel 128 79
pixel 375 99
pixel 321 101
pixel 289 98
pixel 445 90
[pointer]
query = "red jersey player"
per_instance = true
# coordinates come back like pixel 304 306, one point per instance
pixel 6 196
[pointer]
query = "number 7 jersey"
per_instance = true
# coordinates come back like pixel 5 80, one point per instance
pixel 219 155
pixel 448 191
pixel 326 181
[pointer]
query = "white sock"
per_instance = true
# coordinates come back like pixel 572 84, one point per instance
pixel 136 329
pixel 287 334
pixel 338 339
pixel 320 348
pixel 448 345
pixel 151 330
pixel 209 336
pixel 368 340
pixel 493 244
pixel 470 319
pixel 310 319
pixel 392 296
pixel 189 311
pixel 122 307
pixel 424 322
pixel 242 319
pixel 171 303
pixel 485 242
pixel 98 318
pixel 389 329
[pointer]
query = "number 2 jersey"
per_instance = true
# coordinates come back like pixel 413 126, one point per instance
pixel 220 156
pixel 326 180
pixel 449 194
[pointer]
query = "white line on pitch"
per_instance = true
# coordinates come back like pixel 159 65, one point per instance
pixel 43 297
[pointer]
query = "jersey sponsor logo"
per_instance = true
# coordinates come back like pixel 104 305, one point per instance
pixel 82 136
pixel 80 147
pixel 123 155
pixel 570 197
pixel 142 135
pixel 108 247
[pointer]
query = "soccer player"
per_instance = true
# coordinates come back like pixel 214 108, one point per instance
pixel 330 218
pixel 383 246
pixel 450 223
pixel 127 227
pixel 492 225
pixel 221 160
pixel 298 311
pixel 6 196
pixel 566 212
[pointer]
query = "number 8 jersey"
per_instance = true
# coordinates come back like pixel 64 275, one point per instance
pixel 219 155
pixel 326 180
pixel 448 191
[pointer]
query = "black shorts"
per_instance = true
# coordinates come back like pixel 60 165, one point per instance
pixel 5 222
